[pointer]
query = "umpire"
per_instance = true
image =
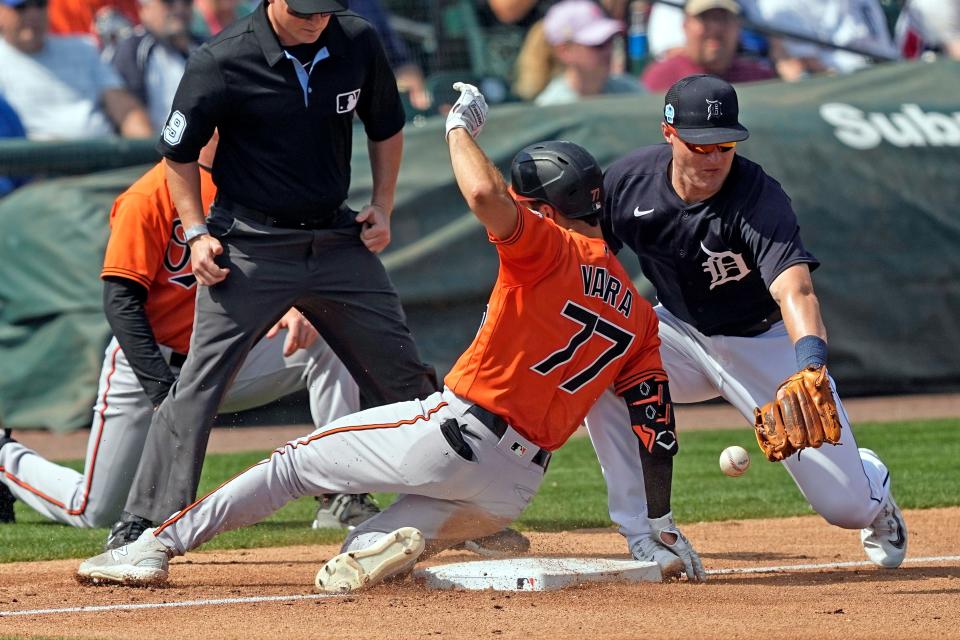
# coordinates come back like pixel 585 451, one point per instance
pixel 282 86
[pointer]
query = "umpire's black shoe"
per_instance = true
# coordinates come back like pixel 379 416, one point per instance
pixel 127 530
pixel 6 498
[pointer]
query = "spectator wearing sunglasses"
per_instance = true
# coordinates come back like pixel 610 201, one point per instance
pixel 151 60
pixel 58 84
pixel 581 37
pixel 719 240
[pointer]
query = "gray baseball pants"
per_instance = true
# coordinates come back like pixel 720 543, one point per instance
pixel 336 282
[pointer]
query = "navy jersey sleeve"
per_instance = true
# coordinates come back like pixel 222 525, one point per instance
pixel 196 109
pixel 770 230
pixel 379 106
pixel 611 195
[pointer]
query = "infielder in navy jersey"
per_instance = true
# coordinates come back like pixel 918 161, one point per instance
pixel 719 240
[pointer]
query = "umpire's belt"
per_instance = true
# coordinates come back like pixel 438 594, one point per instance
pixel 499 427
pixel 311 220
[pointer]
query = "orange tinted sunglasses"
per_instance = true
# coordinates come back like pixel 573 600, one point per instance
pixel 704 149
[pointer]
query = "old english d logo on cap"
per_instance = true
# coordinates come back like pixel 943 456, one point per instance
pixel 704 110
pixel 713 109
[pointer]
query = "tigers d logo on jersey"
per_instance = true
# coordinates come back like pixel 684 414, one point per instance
pixel 724 267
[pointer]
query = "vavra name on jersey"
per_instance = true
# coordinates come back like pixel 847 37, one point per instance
pixel 598 283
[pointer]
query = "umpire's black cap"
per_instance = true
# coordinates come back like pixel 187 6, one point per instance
pixel 562 174
pixel 317 6
pixel 704 110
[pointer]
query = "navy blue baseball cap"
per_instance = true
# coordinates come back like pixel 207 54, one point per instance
pixel 704 110
pixel 314 6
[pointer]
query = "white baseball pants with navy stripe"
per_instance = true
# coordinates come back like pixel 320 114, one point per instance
pixel 843 487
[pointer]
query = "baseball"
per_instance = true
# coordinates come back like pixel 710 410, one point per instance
pixel 734 461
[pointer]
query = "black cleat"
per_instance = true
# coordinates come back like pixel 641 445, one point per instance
pixel 127 530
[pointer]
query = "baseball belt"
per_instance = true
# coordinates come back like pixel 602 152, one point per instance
pixel 306 221
pixel 498 426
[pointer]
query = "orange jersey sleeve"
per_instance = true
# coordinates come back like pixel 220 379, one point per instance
pixel 146 245
pixel 563 323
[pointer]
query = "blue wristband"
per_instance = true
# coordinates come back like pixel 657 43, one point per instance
pixel 811 352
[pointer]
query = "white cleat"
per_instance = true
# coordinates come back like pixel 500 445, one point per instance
pixel 141 563
pixel 392 554
pixel 885 540
pixel 648 550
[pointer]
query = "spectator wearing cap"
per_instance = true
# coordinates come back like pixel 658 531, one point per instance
pixel 152 59
pixel 712 30
pixel 581 36
pixel 58 84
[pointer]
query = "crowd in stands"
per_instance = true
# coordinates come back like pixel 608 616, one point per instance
pixel 73 69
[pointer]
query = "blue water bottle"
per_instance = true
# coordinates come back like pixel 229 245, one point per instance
pixel 638 51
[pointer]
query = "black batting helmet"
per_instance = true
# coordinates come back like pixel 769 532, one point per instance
pixel 562 174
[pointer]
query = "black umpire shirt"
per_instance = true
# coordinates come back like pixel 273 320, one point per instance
pixel 711 262
pixel 286 129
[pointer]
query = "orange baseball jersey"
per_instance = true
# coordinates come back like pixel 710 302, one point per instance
pixel 146 245
pixel 564 323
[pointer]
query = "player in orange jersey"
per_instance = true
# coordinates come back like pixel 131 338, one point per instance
pixel 149 292
pixel 563 324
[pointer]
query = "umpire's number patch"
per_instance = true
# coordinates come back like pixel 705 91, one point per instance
pixel 176 125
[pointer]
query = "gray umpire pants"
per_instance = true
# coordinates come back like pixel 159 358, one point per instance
pixel 336 282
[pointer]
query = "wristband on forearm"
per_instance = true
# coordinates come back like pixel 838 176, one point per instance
pixel 811 351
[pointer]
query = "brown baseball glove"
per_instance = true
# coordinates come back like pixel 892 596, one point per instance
pixel 803 414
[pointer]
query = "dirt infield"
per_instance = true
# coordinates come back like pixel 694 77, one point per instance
pixel 921 599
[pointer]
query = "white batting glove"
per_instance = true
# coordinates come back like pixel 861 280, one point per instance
pixel 665 532
pixel 469 111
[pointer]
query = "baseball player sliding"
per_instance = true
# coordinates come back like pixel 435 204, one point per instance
pixel 563 323
pixel 149 292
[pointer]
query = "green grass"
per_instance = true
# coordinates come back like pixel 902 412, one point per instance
pixel 920 456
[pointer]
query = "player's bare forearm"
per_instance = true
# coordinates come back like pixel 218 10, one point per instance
pixel 481 184
pixel 793 291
